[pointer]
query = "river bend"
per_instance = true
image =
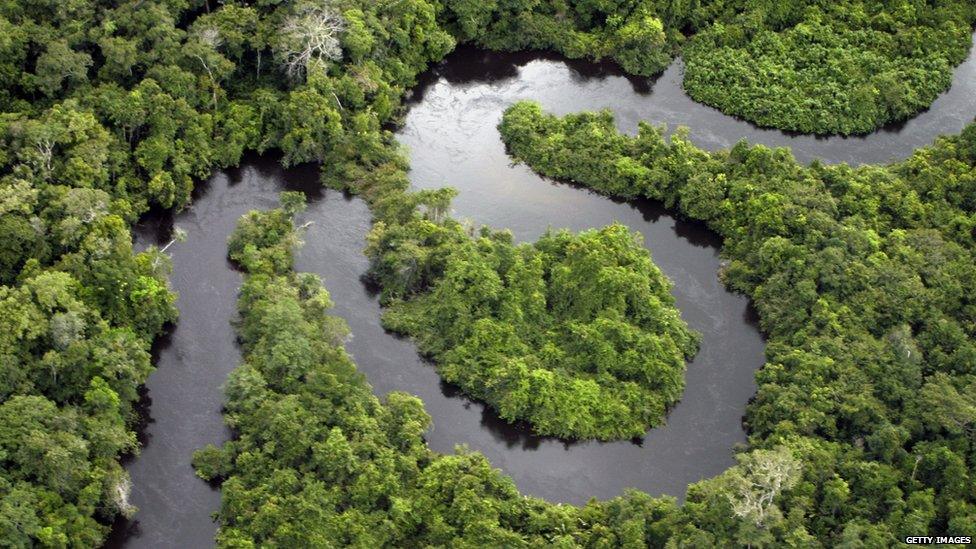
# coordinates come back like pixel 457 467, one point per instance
pixel 450 132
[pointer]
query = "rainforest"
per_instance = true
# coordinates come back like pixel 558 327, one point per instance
pixel 239 238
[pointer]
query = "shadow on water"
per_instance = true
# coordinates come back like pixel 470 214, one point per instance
pixel 484 67
pixel 451 131
pixel 694 232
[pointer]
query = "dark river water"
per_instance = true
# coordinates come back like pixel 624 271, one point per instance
pixel 451 135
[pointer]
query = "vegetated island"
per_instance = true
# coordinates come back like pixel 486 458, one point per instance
pixel 319 461
pixel 575 334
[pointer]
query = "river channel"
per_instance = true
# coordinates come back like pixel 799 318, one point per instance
pixel 450 133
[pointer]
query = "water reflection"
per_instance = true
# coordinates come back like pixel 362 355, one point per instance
pixel 570 86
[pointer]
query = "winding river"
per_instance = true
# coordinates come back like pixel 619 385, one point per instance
pixel 451 135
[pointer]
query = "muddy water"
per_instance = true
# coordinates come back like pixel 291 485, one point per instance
pixel 450 132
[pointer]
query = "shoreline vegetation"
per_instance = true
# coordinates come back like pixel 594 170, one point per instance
pixel 862 430
pixel 862 278
pixel 576 334
pixel 318 460
pixel 844 67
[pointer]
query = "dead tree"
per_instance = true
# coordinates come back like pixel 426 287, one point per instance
pixel 309 36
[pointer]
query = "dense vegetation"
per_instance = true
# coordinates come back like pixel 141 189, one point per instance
pixel 864 281
pixel 78 308
pixel 110 108
pixel 319 461
pixel 576 334
pixel 863 427
pixel 815 66
pixel 641 35
pixel 822 67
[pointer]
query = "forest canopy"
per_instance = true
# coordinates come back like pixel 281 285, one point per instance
pixel 814 66
pixel 320 461
pixel 864 282
pixel 861 431
pixel 109 109
pixel 575 334
pixel 834 67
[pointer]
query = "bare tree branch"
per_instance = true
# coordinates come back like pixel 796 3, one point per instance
pixel 310 35
pixel 759 478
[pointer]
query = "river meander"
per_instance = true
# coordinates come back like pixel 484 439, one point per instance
pixel 452 140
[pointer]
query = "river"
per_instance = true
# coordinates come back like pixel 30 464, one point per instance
pixel 450 132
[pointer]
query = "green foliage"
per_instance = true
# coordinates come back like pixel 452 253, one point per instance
pixel 863 280
pixel 863 277
pixel 264 242
pixel 576 334
pixel 815 66
pixel 320 461
pixel 111 108
pixel 78 311
pixel 843 67
pixel 630 32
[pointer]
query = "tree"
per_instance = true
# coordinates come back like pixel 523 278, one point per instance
pixel 121 56
pixel 575 334
pixel 60 63
pixel 310 35
pixel 948 407
pixel 755 483
pixel 205 48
